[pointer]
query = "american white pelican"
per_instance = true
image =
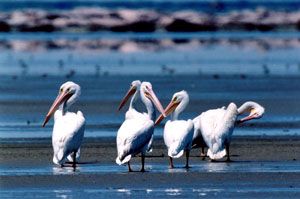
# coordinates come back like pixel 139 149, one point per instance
pixel 68 130
pixel 215 127
pixel 135 134
pixel 178 134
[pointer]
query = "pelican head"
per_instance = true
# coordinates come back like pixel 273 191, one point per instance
pixel 179 101
pixel 67 95
pixel 256 111
pixel 134 86
pixel 148 96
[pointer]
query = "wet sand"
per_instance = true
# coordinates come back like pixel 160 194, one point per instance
pixel 262 165
pixel 101 152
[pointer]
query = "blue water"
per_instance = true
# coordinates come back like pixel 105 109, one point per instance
pixel 228 192
pixel 238 53
pixel 207 189
pixel 98 168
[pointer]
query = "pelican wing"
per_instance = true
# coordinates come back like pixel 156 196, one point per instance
pixel 133 137
pixel 178 136
pixel 197 136
pixel 216 128
pixel 68 132
pixel 209 121
pixel 133 114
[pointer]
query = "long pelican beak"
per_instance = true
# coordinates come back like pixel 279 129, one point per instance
pixel 170 108
pixel 130 92
pixel 251 116
pixel 62 97
pixel 151 95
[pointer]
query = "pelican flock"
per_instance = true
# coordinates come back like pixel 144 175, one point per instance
pixel 178 134
pixel 136 133
pixel 68 129
pixel 216 126
pixel 212 128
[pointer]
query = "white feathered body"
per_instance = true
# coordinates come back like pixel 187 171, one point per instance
pixel 197 136
pixel 67 136
pixel 178 137
pixel 132 113
pixel 216 128
pixel 134 136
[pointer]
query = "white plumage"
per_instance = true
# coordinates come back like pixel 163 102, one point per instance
pixel 68 129
pixel 178 137
pixel 178 134
pixel 136 133
pixel 133 138
pixel 216 126
pixel 67 135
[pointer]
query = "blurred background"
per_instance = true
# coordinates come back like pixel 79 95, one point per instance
pixel 219 51
pixel 68 37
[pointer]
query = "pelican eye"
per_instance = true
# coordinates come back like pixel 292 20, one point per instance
pixel 175 99
pixel 61 90
pixel 68 89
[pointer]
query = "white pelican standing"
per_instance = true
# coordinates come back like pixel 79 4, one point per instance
pixel 132 113
pixel 68 130
pixel 216 126
pixel 178 134
pixel 135 134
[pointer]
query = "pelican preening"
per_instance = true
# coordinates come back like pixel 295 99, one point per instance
pixel 68 129
pixel 136 133
pixel 178 134
pixel 216 126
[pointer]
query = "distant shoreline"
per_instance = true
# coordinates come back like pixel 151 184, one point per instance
pixel 95 19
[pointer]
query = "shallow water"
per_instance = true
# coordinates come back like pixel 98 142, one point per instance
pixel 226 189
pixel 93 168
pixel 221 53
pixel 24 102
pixel 232 192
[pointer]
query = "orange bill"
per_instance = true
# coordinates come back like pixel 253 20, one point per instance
pixel 151 95
pixel 58 101
pixel 170 108
pixel 250 117
pixel 130 92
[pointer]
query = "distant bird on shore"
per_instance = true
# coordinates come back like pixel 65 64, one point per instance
pixel 167 70
pixel 216 126
pixel 178 134
pixel 136 133
pixel 68 129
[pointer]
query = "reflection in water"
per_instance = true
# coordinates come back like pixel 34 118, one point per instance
pixel 127 191
pixel 149 190
pixel 173 192
pixel 217 167
pixel 243 191
pixel 64 170
pixel 62 193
